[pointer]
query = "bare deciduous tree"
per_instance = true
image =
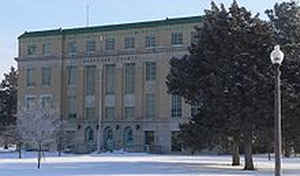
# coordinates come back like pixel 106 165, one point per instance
pixel 12 136
pixel 38 126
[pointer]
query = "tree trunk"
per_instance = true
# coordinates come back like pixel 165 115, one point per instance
pixel 19 146
pixel 287 152
pixel 248 148
pixel 59 147
pixel 236 151
pixel 61 138
pixel 287 149
pixel 39 155
pixel 59 142
pixel 269 151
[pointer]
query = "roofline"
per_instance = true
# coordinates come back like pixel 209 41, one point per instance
pixel 115 27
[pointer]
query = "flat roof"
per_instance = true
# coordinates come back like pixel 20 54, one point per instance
pixel 115 27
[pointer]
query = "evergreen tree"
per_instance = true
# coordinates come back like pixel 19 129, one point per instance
pixel 228 70
pixel 8 104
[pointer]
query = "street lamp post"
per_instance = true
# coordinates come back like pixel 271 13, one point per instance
pixel 277 58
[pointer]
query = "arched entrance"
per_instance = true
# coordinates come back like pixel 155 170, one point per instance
pixel 128 137
pixel 89 135
pixel 108 138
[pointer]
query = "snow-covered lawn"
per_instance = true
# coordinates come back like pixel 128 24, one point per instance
pixel 137 164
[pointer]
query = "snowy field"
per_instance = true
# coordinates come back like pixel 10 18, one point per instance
pixel 137 164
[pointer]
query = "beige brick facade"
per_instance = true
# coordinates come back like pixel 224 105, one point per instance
pixel 90 132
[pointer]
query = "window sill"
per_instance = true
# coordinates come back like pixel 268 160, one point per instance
pixel 70 86
pixel 45 86
pixel 177 117
pixel 90 53
pixel 30 87
pixel 31 55
pixel 72 55
pixel 149 48
pixel 129 49
pixel 177 45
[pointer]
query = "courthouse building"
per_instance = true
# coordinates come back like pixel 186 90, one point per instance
pixel 108 82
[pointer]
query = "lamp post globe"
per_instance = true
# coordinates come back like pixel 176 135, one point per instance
pixel 277 55
pixel 277 58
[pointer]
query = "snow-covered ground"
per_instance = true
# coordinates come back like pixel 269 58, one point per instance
pixel 137 164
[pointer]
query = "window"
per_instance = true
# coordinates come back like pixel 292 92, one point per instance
pixel 129 78
pixel 110 44
pixel 31 50
pixel 150 106
pixel 129 113
pixel 46 50
pixel 72 48
pixel 129 42
pixel 91 47
pixel 150 41
pixel 46 101
pixel 150 71
pixel 177 38
pixel 195 109
pixel 176 110
pixel 110 113
pixel 149 137
pixel 176 145
pixel 29 102
pixel 72 75
pixel 110 79
pixel 90 113
pixel 70 134
pixel 194 37
pixel 29 77
pixel 90 77
pixel 72 107
pixel 46 76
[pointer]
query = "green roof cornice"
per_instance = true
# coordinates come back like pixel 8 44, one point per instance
pixel 40 33
pixel 117 27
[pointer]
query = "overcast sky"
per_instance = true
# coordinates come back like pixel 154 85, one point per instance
pixel 17 16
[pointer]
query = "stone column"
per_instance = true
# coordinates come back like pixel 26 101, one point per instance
pixel 139 102
pixel 119 103
pixel 100 107
pixel 80 92
pixel 139 91
pixel 119 91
